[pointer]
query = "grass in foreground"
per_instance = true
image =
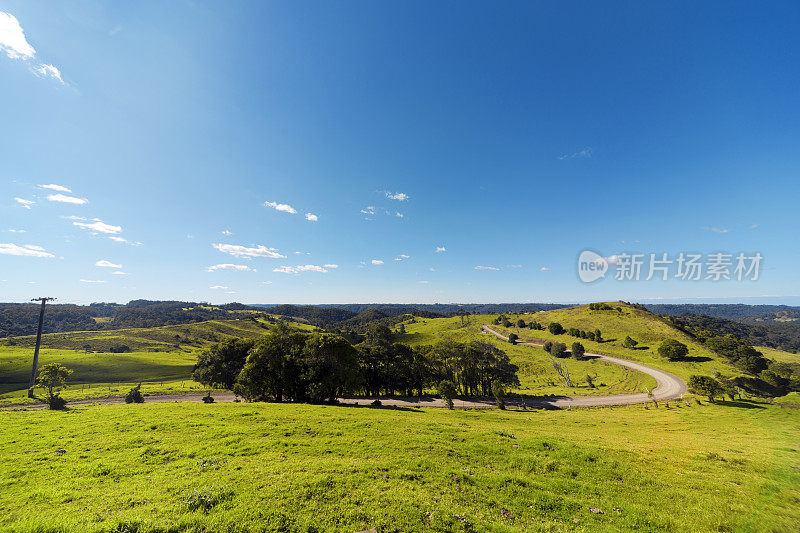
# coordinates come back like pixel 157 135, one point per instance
pixel 271 467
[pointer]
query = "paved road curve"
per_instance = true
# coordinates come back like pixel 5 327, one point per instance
pixel 668 386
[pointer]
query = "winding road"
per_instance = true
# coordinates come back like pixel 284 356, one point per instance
pixel 668 387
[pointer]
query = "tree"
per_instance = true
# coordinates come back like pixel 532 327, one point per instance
pixel 558 349
pixel 447 390
pixel 705 386
pixel 53 376
pixel 673 350
pixel 220 364
pixel 329 367
pixel 512 338
pixel 402 329
pixel 135 395
pixel 597 336
pixel 520 323
pixel 578 350
pixel 499 393
pixel 548 345
pixel 555 328
pixel 590 381
pixel 271 370
pixel 629 343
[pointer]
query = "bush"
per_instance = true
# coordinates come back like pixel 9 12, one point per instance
pixel 555 328
pixel 629 343
pixel 673 350
pixel 705 386
pixel 520 323
pixel 499 393
pixel 447 390
pixel 559 349
pixel 56 402
pixel 512 338
pixel 135 395
pixel 376 403
pixel 578 350
pixel 206 399
pixel 119 348
pixel 548 345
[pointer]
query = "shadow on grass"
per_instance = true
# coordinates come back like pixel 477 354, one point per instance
pixel 742 404
pixel 696 359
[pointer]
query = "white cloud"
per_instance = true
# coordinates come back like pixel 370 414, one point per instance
pixel 715 229
pixel 44 70
pixel 301 268
pixel 54 187
pixel 98 226
pixel 64 199
pixel 229 266
pixel 237 250
pixel 402 257
pixel 24 203
pixel 106 264
pixel 331 266
pixel 16 230
pixel 514 266
pixel 267 282
pixel 226 232
pixel 16 46
pixel 92 281
pixel 398 214
pixel 399 196
pixel 119 273
pixel 544 269
pixel 481 267
pixel 440 249
pixel 286 208
pixel 216 287
pixel 28 250
pixel 377 262
pixel 369 210
pixel 311 217
pixel 423 282
pixel 582 154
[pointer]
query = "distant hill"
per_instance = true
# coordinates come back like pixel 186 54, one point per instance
pixel 441 309
pixel 729 311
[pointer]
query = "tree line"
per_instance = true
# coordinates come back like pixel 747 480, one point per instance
pixel 288 364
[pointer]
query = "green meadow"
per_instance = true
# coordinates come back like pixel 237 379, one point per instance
pixel 281 467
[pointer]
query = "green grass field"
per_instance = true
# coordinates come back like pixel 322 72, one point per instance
pixel 779 356
pixel 273 467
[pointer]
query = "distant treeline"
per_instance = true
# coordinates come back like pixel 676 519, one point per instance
pixel 439 309
pixel 736 312
pixel 781 335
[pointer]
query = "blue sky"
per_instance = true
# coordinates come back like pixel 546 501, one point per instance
pixel 509 137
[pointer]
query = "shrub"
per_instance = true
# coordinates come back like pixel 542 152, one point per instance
pixel 548 345
pixel 559 349
pixel 673 350
pixel 629 343
pixel 56 402
pixel 578 350
pixel 135 395
pixel 512 338
pixel 376 403
pixel 520 323
pixel 119 348
pixel 206 399
pixel 499 393
pixel 705 386
pixel 555 328
pixel 447 390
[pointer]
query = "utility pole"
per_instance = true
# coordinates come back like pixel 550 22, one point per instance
pixel 38 342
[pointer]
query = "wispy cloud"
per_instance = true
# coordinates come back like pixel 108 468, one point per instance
pixel 24 203
pixel 65 199
pixel 124 240
pixel 238 250
pixel 92 281
pixel 16 230
pixel 27 250
pixel 286 208
pixel 220 287
pixel 311 217
pixel 423 281
pixel 402 257
pixel 399 196
pixel 119 273
pixel 369 210
pixel 715 229
pixel 514 266
pixel 377 262
pixel 301 268
pixel 481 267
pixel 226 232
pixel 98 226
pixel 16 46
pixel 440 249
pixel 229 266
pixel 582 154
pixel 331 266
pixel 106 264
pixel 54 187
pixel 544 269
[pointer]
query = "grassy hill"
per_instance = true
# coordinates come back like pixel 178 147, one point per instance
pixel 273 467
pixel 536 372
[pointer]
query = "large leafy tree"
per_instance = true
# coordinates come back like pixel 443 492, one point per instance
pixel 330 367
pixel 272 369
pixel 673 350
pixel 219 365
